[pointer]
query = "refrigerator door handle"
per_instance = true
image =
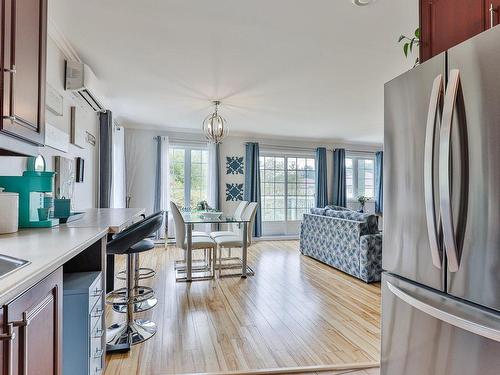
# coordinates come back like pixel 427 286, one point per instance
pixel 444 171
pixel 430 135
pixel 484 324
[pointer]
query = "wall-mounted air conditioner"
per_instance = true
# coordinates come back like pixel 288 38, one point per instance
pixel 81 80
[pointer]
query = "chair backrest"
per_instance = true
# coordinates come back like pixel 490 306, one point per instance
pixel 249 214
pixel 180 227
pixel 237 213
pixel 122 241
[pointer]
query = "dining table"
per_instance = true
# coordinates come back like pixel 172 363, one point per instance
pixel 192 218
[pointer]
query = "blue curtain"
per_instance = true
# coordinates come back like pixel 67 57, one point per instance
pixel 339 175
pixel 158 168
pixel 321 178
pixel 252 182
pixel 379 182
pixel 105 158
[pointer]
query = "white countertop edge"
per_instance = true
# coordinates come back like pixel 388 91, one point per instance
pixel 35 276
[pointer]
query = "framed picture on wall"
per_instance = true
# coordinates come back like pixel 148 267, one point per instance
pixel 78 134
pixel 80 169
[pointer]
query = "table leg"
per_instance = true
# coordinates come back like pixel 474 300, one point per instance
pixel 189 255
pixel 244 251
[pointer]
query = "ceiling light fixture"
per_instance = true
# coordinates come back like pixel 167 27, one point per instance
pixel 362 3
pixel 214 126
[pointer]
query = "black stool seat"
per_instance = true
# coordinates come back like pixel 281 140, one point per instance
pixel 141 246
pixel 122 241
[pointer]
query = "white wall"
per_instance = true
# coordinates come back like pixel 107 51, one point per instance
pixel 140 163
pixel 85 193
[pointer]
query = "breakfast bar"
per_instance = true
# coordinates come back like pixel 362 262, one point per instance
pixel 31 295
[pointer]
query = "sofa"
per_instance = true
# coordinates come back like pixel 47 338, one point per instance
pixel 347 240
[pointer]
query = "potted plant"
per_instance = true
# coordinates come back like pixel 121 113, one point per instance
pixel 409 43
pixel 362 201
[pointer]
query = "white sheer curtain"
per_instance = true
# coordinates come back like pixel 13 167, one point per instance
pixel 213 180
pixel 213 176
pixel 163 168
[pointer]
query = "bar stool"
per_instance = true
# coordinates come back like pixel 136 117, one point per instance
pixel 140 273
pixel 131 241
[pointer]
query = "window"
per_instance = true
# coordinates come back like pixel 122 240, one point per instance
pixel 287 187
pixel 360 176
pixel 188 175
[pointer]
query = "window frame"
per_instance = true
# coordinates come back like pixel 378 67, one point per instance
pixel 356 157
pixel 188 167
pixel 286 182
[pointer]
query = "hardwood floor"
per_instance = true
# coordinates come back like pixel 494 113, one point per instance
pixel 294 312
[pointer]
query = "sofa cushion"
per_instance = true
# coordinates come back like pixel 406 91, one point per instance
pixel 318 211
pixel 337 208
pixel 370 220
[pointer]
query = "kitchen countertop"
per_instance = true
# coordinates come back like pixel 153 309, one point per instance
pixel 49 248
pixel 116 219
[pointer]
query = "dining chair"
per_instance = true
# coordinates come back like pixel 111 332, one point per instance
pixel 236 240
pixel 198 243
pixel 234 228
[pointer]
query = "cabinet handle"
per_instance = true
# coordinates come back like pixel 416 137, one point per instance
pixel 11 70
pixel 97 293
pixel 492 15
pixel 98 333
pixel 97 313
pixel 9 337
pixel 98 353
pixel 11 118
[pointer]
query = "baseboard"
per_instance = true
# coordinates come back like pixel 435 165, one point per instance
pixel 347 368
pixel 278 238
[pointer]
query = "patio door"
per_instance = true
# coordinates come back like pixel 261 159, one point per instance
pixel 287 192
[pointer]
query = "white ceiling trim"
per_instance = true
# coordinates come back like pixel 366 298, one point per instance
pixel 62 42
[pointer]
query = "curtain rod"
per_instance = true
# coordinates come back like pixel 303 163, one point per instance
pixel 312 149
pixel 287 147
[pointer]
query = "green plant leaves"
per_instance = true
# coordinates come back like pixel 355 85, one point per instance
pixel 405 49
pixel 417 33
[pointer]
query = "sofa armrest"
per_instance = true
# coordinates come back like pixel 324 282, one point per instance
pixel 370 264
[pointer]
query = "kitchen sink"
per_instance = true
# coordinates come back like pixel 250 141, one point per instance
pixel 10 264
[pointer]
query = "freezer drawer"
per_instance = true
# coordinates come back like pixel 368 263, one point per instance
pixel 425 332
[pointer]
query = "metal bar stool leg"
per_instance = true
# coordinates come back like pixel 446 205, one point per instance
pixel 132 331
pixel 138 306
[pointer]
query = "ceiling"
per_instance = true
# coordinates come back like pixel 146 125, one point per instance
pixel 295 68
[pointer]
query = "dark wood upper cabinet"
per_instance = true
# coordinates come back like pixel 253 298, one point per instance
pixel 446 23
pixel 36 319
pixel 23 56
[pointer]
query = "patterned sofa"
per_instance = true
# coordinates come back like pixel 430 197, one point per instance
pixel 347 240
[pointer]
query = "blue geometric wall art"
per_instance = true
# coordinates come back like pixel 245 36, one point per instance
pixel 234 192
pixel 234 165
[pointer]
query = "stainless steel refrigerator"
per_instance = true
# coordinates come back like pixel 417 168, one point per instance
pixel 441 249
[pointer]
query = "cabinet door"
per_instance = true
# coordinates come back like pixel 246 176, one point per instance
pixel 492 12
pixel 24 38
pixel 37 318
pixel 445 23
